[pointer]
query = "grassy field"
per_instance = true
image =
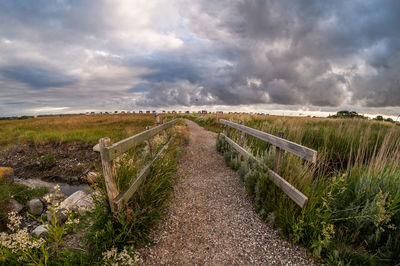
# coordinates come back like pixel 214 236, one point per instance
pixel 85 128
pixel 353 213
pixel 110 238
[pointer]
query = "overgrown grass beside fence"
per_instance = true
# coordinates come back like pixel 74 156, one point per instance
pixel 353 212
pixel 109 238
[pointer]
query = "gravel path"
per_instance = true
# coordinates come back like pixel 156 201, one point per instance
pixel 211 220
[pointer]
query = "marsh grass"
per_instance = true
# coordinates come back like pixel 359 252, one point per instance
pixel 353 212
pixel 131 227
pixel 84 128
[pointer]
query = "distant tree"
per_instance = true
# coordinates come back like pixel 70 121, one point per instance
pixel 389 120
pixel 346 114
pixel 379 118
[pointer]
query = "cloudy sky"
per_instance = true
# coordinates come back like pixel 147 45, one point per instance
pixel 66 56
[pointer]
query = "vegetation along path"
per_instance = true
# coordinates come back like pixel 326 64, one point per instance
pixel 211 220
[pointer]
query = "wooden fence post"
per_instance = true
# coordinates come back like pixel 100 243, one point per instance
pixel 109 174
pixel 165 131
pixel 241 136
pixel 157 119
pixel 278 153
pixel 227 131
pixel 149 142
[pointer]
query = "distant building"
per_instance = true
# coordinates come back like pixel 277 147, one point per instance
pixel 140 112
pixel 204 111
pixel 147 112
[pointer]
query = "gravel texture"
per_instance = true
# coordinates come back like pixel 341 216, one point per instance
pixel 211 220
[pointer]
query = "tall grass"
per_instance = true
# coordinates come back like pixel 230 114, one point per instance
pixel 132 226
pixel 84 128
pixel 353 213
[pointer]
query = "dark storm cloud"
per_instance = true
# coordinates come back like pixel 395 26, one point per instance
pixel 304 51
pixel 36 77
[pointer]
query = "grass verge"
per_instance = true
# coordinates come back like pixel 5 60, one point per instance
pixel 353 213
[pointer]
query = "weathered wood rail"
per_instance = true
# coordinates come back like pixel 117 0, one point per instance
pixel 109 152
pixel 281 145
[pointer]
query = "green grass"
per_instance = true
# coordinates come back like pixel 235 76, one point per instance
pixel 132 225
pixel 353 213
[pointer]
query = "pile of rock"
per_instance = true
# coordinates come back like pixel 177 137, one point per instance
pixel 78 201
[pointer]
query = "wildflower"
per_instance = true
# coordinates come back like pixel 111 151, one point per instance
pixel 110 253
pixel 113 257
pixel 14 221
pixel 72 221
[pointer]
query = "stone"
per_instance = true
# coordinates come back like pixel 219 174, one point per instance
pixel 15 206
pixel 93 177
pixel 77 201
pixel 60 215
pixel 6 174
pixel 96 148
pixel 35 206
pixel 40 231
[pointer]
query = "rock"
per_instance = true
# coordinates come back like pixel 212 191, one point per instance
pixel 35 206
pixel 78 201
pixel 40 231
pixel 93 177
pixel 34 183
pixel 6 174
pixel 60 215
pixel 15 206
pixel 96 148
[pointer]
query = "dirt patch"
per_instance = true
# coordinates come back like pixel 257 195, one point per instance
pixel 51 161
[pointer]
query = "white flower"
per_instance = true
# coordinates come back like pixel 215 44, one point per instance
pixel 14 221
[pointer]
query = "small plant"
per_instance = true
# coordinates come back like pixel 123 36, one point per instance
pixel 125 257
pixel 47 160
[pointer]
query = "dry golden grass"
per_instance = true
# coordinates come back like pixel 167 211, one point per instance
pixel 85 128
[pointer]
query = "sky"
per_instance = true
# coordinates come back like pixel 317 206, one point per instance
pixel 64 56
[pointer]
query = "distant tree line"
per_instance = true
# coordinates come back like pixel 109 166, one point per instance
pixel 347 114
pixel 353 114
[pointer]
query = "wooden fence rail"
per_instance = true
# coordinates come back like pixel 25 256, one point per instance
pixel 281 145
pixel 109 152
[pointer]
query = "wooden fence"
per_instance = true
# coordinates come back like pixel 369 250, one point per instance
pixel 109 152
pixel 281 145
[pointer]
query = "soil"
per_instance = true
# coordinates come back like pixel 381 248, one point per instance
pixel 211 220
pixel 51 161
